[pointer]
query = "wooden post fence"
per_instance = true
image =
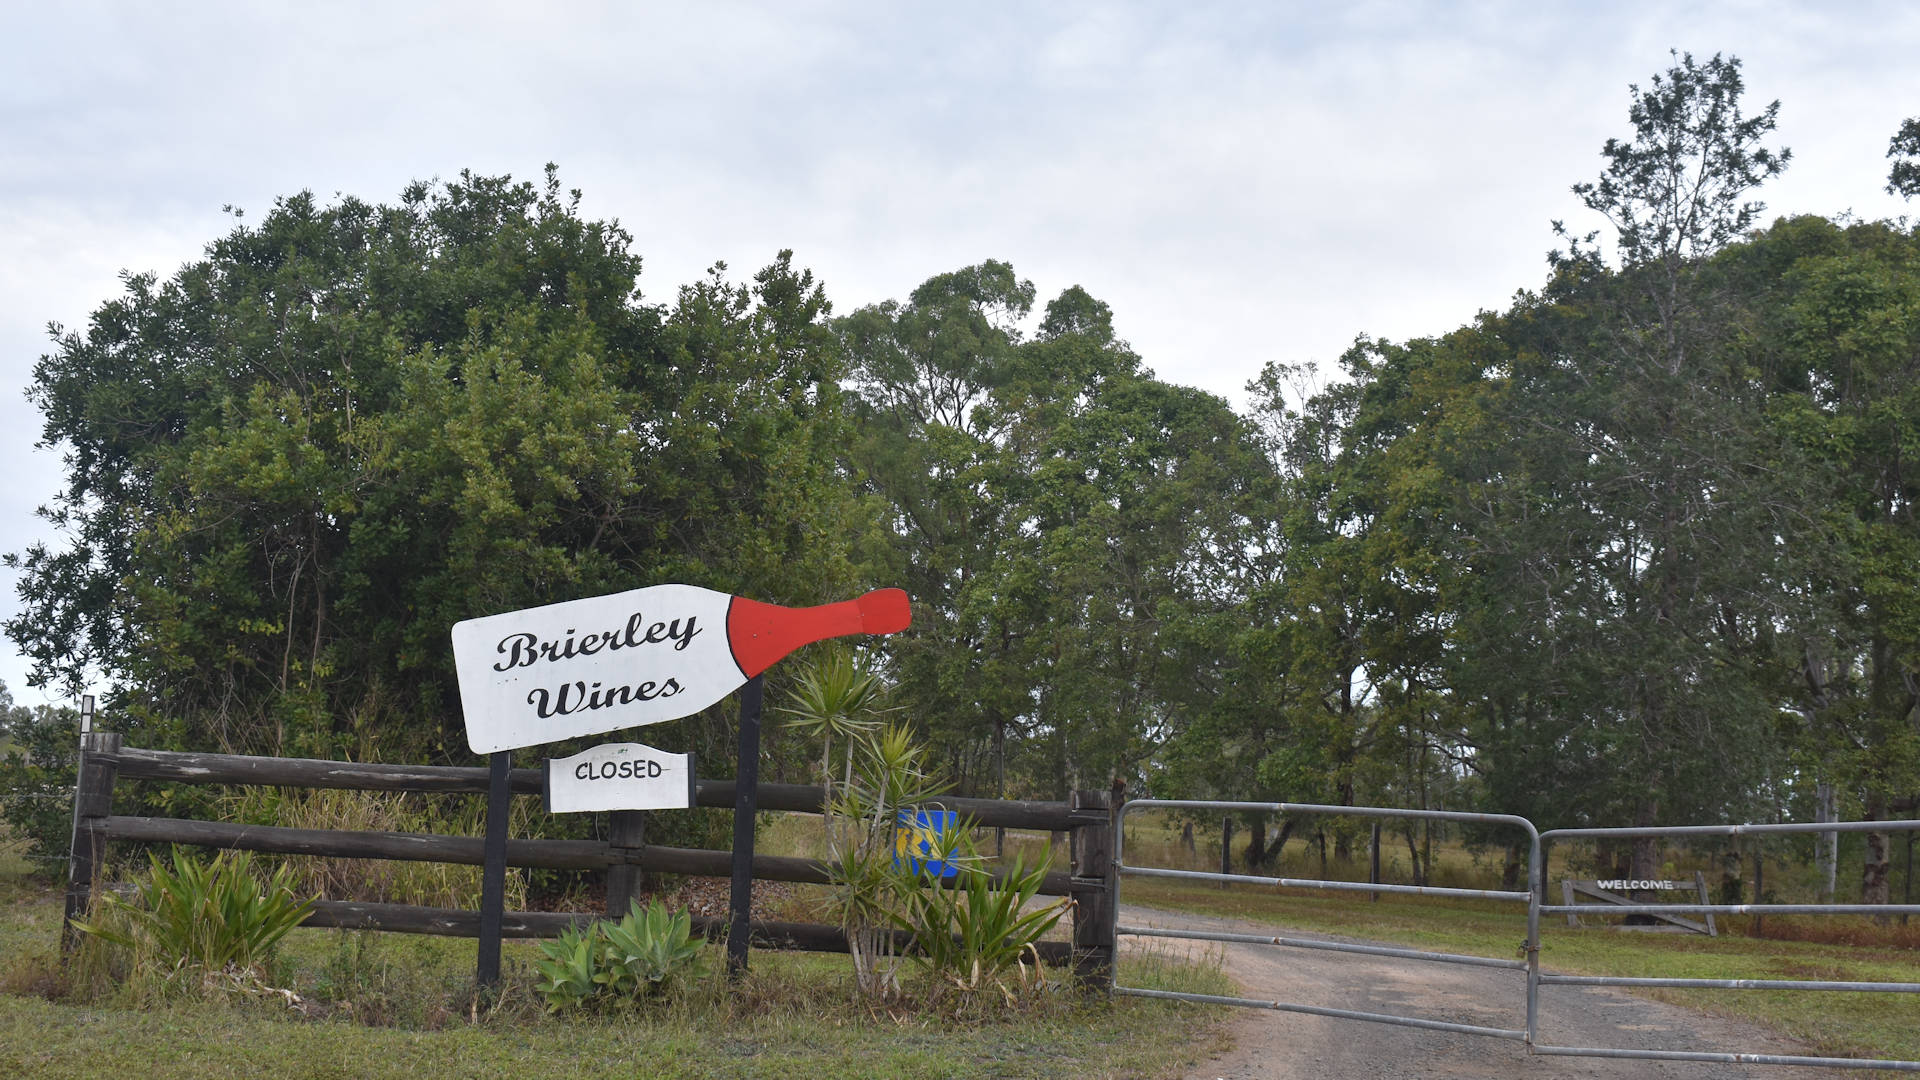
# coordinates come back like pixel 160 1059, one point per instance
pixel 1094 913
pixel 1088 819
pixel 627 834
pixel 98 767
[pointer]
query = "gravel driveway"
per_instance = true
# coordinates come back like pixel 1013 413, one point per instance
pixel 1271 1045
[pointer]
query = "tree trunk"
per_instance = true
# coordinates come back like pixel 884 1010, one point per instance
pixel 1279 844
pixel 1257 842
pixel 1646 861
pixel 1510 872
pixel 1000 780
pixel 1876 875
pixel 1413 854
pixel 1732 879
pixel 1826 849
pixel 1226 846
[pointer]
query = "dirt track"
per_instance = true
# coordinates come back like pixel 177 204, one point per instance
pixel 1271 1045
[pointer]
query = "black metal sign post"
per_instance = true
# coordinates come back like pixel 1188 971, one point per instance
pixel 493 873
pixel 745 802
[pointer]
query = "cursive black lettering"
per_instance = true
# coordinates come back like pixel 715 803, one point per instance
pixel 519 651
pixel 578 696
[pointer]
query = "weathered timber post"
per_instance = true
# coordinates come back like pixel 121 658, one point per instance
pixel 626 833
pixel 1094 913
pixel 493 872
pixel 97 769
pixel 746 795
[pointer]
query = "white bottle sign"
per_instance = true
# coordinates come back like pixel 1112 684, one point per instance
pixel 619 776
pixel 628 659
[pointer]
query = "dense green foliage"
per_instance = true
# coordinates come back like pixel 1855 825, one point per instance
pixel 38 748
pixel 203 919
pixel 1640 548
pixel 295 463
pixel 608 963
pixel 976 933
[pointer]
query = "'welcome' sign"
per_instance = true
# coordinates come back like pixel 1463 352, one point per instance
pixel 628 659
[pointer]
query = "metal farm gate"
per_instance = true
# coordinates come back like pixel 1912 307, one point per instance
pixel 1533 902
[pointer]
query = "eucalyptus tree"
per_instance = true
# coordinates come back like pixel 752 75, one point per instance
pixel 1058 511
pixel 925 449
pixel 1837 311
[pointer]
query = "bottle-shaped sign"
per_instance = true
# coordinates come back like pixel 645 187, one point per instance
pixel 633 658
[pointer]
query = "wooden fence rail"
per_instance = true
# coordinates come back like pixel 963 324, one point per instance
pixel 137 764
pixel 455 922
pixel 467 850
pixel 1089 820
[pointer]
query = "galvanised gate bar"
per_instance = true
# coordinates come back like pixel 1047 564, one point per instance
pixel 1534 901
pixel 1729 909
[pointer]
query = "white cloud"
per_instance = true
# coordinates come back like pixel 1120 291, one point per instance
pixel 1241 182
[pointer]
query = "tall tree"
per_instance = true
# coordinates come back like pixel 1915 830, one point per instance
pixel 1059 511
pixel 1903 176
pixel 1839 332
pixel 297 461
pixel 1662 421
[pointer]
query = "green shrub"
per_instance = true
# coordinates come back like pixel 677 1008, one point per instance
pixel 641 954
pixel 36 782
pixel 645 950
pixel 973 932
pixel 567 966
pixel 205 918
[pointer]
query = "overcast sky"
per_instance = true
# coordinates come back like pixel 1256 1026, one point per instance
pixel 1241 182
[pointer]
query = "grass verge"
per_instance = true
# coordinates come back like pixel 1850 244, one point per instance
pixel 390 1005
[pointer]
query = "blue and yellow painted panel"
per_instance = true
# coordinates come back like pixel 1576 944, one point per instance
pixel 922 835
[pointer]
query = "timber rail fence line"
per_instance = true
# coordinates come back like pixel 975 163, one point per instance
pixel 1089 819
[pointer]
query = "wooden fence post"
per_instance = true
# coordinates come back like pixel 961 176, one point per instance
pixel 626 832
pixel 1094 913
pixel 493 873
pixel 98 768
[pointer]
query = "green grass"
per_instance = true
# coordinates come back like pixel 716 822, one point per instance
pixel 379 1005
pixel 794 1018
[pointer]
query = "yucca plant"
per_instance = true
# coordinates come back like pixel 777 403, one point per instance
pixel 836 701
pixel 617 961
pixel 209 918
pixel 889 773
